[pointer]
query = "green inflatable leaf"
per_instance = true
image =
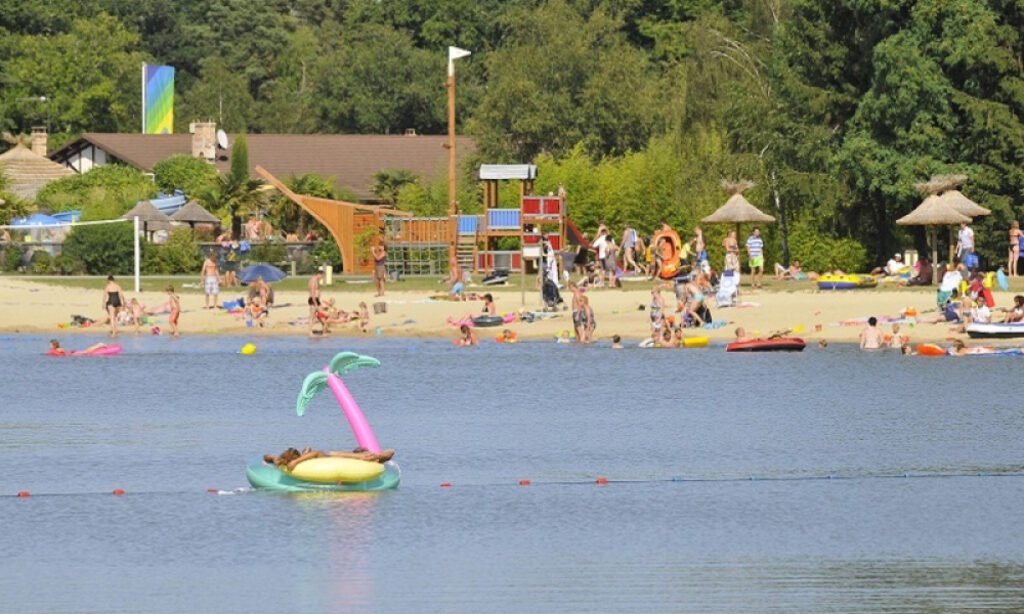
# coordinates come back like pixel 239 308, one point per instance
pixel 314 383
pixel 344 362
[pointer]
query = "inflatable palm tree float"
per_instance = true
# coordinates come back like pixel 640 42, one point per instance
pixel 330 473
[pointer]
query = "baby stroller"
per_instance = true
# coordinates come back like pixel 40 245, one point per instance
pixel 552 297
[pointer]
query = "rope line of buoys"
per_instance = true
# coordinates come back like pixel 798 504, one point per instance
pixel 598 480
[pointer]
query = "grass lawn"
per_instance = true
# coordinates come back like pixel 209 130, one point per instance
pixel 426 285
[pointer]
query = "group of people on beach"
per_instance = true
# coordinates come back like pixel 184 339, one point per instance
pixel 121 312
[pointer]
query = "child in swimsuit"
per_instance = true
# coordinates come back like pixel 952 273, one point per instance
pixel 174 303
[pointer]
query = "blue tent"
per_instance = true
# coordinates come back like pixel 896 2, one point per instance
pixel 36 219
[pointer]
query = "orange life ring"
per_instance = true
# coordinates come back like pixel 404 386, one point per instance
pixel 667 244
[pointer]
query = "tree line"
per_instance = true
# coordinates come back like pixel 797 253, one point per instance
pixel 835 108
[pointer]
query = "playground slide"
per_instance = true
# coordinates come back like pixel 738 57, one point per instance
pixel 574 235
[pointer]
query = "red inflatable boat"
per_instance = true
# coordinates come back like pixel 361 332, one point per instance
pixel 778 344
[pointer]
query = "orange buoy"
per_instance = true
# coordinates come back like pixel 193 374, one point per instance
pixel 24 493
pixel 446 484
pixel 601 480
pixel 118 492
pixel 524 482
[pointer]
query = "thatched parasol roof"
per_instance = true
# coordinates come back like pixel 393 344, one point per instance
pixel 737 210
pixel 962 204
pixel 933 212
pixel 149 215
pixel 28 172
pixel 194 213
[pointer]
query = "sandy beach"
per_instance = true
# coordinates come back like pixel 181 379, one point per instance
pixel 41 308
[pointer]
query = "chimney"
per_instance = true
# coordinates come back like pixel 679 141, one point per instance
pixel 204 140
pixel 39 140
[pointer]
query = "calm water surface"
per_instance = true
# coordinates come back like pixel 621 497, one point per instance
pixel 719 498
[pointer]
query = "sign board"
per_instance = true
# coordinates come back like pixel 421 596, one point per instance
pixel 531 251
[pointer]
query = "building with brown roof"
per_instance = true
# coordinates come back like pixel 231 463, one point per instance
pixel 27 170
pixel 352 159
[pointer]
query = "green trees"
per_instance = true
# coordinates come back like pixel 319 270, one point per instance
pixel 833 107
pixel 103 193
pixel 235 193
pixel 562 78
pixel 89 75
pixel 104 249
pixel 185 173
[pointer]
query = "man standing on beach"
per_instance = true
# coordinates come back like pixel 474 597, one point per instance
pixel 209 277
pixel 755 251
pixel 964 241
pixel 314 297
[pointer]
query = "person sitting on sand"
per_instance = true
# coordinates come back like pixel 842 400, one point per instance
pixel 893 267
pixel 794 271
pixel 923 275
pixel 292 457
pixel 256 314
pixel 56 350
pixel 871 337
pixel 468 336
pixel 1016 314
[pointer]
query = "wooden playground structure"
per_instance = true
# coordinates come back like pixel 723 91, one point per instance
pixel 424 245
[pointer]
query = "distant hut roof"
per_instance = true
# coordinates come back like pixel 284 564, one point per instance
pixel 194 213
pixel 149 215
pixel 28 172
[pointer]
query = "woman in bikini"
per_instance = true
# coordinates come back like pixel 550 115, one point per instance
pixel 1015 238
pixel 113 302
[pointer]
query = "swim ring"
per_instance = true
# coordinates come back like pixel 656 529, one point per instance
pixel 332 475
pixel 845 282
pixel 488 320
pixel 667 245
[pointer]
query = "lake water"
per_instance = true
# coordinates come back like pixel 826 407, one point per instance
pixel 719 497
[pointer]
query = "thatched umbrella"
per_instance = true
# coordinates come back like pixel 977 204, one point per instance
pixel 193 213
pixel 737 210
pixel 151 217
pixel 930 213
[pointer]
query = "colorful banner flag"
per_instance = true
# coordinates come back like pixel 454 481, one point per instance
pixel 157 99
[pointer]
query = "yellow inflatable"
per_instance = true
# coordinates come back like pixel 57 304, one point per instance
pixel 329 470
pixel 248 349
pixel 845 282
pixel 695 342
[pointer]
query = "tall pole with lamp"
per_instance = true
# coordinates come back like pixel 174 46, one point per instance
pixel 454 53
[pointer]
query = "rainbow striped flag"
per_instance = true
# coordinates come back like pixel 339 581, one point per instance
pixel 157 99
